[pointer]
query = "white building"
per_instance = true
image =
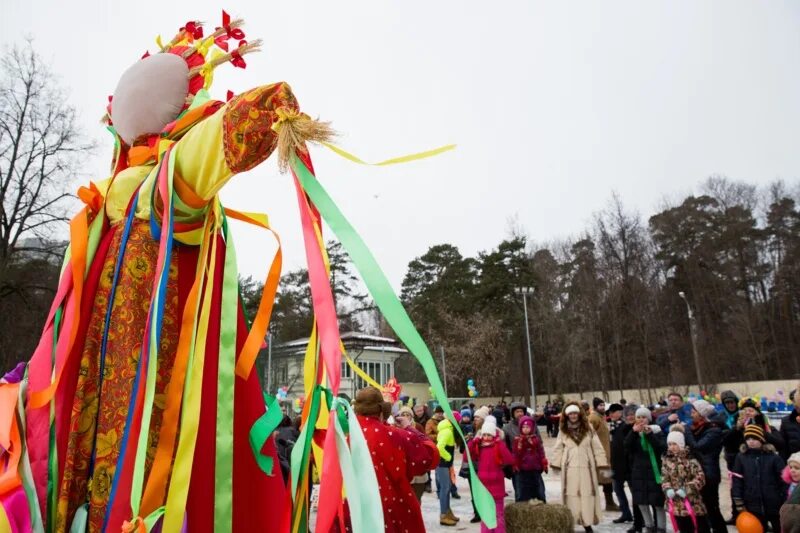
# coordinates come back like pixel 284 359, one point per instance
pixel 373 354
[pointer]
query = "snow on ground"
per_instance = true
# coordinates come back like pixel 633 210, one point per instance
pixel 462 508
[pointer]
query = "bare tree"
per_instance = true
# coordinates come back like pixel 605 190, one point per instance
pixel 40 147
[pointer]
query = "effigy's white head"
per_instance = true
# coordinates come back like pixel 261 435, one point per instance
pixel 149 95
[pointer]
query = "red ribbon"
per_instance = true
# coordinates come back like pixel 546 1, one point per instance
pixel 193 29
pixel 146 54
pixel 236 57
pixel 230 96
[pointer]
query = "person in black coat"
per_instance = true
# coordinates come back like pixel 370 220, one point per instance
pixel 645 445
pixel 705 440
pixel 757 483
pixel 790 431
pixel 620 466
pixel 749 413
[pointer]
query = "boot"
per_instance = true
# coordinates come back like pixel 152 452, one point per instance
pixel 446 520
pixel 610 505
pixel 451 516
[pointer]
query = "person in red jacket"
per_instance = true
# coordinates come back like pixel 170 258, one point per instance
pixel 401 510
pixel 492 455
pixel 530 461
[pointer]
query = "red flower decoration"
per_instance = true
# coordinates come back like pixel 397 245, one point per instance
pixel 194 29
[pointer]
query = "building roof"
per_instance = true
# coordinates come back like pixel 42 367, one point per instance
pixel 350 339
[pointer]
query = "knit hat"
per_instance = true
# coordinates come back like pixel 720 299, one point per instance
pixel 794 458
pixel 644 411
pixel 597 401
pixel 676 437
pixel 457 416
pixel 614 407
pixel 526 421
pixel 466 412
pixel 368 402
pixel 703 408
pixel 754 431
pixel 629 409
pixel 489 426
pixel 406 411
pixel 572 408
pixel 749 402
pixel 728 395
pixel 482 412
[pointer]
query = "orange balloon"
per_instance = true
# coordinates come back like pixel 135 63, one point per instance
pixel 748 523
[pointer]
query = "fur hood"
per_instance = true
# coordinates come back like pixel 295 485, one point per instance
pixel 766 448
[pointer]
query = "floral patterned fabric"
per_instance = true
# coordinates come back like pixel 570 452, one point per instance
pixel 129 315
pixel 247 135
pixel 682 471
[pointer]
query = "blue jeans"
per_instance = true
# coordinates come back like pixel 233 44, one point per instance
pixel 443 482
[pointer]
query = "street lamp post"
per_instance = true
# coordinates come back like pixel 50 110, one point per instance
pixel 693 335
pixel 524 292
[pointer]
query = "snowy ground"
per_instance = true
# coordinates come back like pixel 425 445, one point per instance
pixel 463 508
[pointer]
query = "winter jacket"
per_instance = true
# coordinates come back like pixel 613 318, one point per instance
pixel 431 428
pixel 511 429
pixel 491 460
pixel 578 458
pixel 529 453
pixel 682 470
pixel 421 453
pixel 446 443
pixel 684 416
pixel 620 462
pixel 790 432
pixel 401 510
pixel 598 423
pixel 757 481
pixel 644 487
pixel 706 441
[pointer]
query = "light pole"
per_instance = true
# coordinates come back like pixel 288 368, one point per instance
pixel 525 291
pixel 693 335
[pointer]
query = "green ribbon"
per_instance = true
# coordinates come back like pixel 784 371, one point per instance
pixel 386 300
pixel 646 446
pixel 301 454
pixel 261 430
pixel 223 466
pixel 360 481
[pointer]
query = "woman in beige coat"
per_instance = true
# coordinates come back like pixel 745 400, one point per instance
pixel 578 453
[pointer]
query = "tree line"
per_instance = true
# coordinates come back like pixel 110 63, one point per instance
pixel 611 307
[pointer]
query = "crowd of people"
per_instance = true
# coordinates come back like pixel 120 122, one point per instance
pixel 668 455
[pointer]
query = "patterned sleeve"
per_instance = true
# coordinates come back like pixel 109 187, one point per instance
pixel 235 139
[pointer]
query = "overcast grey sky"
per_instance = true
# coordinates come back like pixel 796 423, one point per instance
pixel 554 105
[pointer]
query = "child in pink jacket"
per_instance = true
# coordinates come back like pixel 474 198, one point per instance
pixel 492 455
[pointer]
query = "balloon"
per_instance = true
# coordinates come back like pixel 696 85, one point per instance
pixel 748 523
pixel 471 394
pixel 470 382
pixel 703 393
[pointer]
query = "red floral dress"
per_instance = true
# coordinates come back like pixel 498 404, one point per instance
pixel 401 511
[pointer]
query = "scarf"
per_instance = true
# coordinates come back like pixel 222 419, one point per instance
pixel 648 449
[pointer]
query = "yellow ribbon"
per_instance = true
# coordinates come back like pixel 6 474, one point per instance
pixel 159 43
pixel 393 161
pixel 363 375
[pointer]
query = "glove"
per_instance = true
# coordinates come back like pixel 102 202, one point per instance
pixel 546 466
pixel 670 493
pixel 680 492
